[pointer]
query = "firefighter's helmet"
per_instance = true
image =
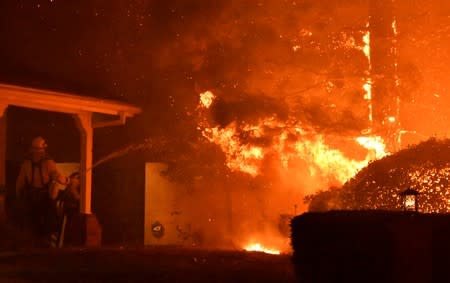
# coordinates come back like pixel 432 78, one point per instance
pixel 38 144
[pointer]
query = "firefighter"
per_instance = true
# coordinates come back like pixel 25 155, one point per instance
pixel 71 195
pixel 68 204
pixel 36 188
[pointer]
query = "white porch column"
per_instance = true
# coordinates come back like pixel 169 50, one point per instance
pixel 84 123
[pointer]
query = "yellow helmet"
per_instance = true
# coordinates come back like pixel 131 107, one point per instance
pixel 38 144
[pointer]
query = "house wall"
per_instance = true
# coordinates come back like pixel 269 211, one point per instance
pixel 161 207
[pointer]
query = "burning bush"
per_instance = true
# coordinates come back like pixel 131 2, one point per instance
pixel 424 167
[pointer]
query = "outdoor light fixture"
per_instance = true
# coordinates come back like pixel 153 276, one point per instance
pixel 410 200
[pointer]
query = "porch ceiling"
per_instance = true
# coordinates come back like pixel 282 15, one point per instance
pixel 62 102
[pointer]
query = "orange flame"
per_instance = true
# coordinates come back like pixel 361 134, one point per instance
pixel 242 156
pixel 308 145
pixel 290 141
pixel 239 157
pixel 375 144
pixel 257 247
pixel 330 162
pixel 206 99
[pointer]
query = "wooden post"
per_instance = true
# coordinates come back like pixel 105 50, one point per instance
pixel 84 123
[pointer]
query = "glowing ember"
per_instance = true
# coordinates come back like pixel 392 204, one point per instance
pixel 368 81
pixel 433 184
pixel 366 47
pixel 394 27
pixel 259 248
pixel 206 99
pixel 368 89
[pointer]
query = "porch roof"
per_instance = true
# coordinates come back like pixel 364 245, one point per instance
pixel 62 102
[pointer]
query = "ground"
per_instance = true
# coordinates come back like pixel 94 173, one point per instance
pixel 149 264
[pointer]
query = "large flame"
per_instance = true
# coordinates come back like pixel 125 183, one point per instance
pixel 303 144
pixel 375 144
pixel 290 142
pixel 293 141
pixel 240 157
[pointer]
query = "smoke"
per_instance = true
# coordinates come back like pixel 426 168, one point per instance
pixel 299 63
pixel 296 64
pixel 249 109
